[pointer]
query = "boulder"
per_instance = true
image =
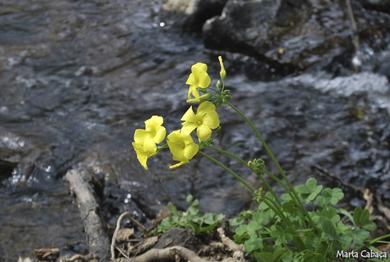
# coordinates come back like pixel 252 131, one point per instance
pixel 292 34
pixel 380 5
pixel 6 168
pixel 190 15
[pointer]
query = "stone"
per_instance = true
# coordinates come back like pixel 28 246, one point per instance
pixel 6 168
pixel 380 5
pixel 190 15
pixel 291 34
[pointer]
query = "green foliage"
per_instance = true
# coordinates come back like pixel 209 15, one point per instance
pixel 267 237
pixel 304 224
pixel 193 218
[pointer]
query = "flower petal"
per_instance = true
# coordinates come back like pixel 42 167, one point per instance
pixel 150 147
pixel 153 122
pixel 209 113
pixel 189 116
pixel 206 107
pixel 140 135
pixel 143 160
pixel 191 150
pixel 177 153
pixel 211 119
pixel 141 156
pixel 191 80
pixel 203 132
pixel 198 68
pixel 188 128
pixel 160 134
pixel 204 80
pixel 176 145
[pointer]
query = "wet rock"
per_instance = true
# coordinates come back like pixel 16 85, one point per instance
pixel 380 5
pixel 346 86
pixel 383 66
pixel 6 168
pixel 191 15
pixel 12 145
pixel 291 35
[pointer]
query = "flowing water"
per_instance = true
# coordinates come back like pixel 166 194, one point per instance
pixel 76 79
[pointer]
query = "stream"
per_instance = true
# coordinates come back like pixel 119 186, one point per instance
pixel 78 77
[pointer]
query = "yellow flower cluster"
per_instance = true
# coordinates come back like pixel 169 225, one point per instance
pixel 198 79
pixel 182 147
pixel 146 140
pixel 205 119
pixel 180 142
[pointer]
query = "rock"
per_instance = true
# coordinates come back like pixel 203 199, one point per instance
pixel 380 5
pixel 346 86
pixel 6 168
pixel 383 65
pixel 291 34
pixel 190 15
pixel 181 6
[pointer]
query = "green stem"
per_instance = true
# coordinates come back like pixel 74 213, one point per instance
pixel 275 206
pixel 260 139
pixel 229 154
pixel 239 160
pixel 162 147
pixel 290 188
pixel 379 239
pixel 271 204
pixel 230 172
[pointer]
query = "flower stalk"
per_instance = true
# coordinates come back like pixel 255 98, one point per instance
pixel 287 185
pixel 203 121
pixel 218 163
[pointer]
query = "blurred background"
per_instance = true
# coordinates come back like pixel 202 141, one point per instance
pixel 77 77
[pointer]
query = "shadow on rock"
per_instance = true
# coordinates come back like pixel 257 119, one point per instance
pixel 293 35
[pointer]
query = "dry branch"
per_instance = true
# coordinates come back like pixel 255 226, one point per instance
pixel 96 236
pixel 114 236
pixel 238 250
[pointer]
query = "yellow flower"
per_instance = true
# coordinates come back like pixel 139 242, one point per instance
pixel 143 155
pixel 205 119
pixel 198 78
pixel 182 147
pixel 222 73
pixel 146 140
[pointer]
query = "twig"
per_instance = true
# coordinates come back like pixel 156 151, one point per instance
pixel 88 207
pixel 118 226
pixel 351 17
pixel 322 171
pixel 385 211
pixel 356 60
pixel 145 245
pixel 228 242
pixel 138 224
pixel 122 252
pixel 169 253
pixel 76 257
pixel 369 197
pixel 238 250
